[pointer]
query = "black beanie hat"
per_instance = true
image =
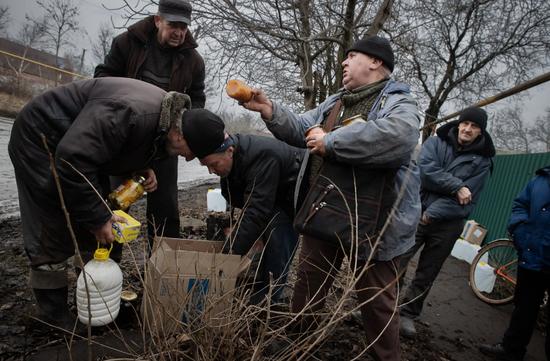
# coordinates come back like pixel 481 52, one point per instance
pixel 375 46
pixel 474 114
pixel 203 131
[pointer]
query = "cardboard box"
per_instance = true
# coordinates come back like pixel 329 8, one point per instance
pixel 188 282
pixel 473 232
pixel 126 232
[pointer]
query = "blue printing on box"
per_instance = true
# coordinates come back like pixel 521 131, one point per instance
pixel 197 290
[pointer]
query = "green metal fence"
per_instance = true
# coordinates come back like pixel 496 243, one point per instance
pixel 511 173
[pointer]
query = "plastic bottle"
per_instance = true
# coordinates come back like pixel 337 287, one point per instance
pixel 127 193
pixel 104 279
pixel 215 202
pixel 238 90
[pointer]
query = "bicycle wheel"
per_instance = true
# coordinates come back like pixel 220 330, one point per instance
pixel 493 272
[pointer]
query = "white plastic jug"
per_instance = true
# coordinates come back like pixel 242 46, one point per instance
pixel 485 277
pixel 104 279
pixel 464 250
pixel 215 202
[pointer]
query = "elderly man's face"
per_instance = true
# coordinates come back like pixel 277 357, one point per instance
pixel 468 132
pixel 219 163
pixel 177 145
pixel 357 70
pixel 170 33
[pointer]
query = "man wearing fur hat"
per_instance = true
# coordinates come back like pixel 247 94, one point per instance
pixel 161 50
pixel 258 175
pixel 94 129
pixel 360 143
pixel 453 168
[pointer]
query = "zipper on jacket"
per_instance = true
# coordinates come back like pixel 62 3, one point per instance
pixel 314 211
pixel 317 204
pixel 321 196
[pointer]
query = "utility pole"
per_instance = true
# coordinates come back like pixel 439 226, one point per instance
pixel 82 61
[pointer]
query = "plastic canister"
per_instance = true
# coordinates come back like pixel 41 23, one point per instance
pixel 464 250
pixel 215 202
pixel 485 277
pixel 104 279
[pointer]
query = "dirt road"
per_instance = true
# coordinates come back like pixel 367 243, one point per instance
pixel 453 324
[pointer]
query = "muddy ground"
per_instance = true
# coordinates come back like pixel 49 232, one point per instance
pixel 453 324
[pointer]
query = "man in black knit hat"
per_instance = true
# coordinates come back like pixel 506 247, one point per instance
pixel 360 143
pixel 258 175
pixel 453 168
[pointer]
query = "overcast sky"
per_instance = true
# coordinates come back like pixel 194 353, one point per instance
pixel 92 14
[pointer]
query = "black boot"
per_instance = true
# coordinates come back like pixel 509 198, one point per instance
pixel 498 352
pixel 52 309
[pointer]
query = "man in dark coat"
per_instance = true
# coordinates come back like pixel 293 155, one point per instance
pixel 529 226
pixel 453 168
pixel 94 129
pixel 161 50
pixel 258 175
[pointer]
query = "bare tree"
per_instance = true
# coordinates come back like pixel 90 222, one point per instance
pixel 541 131
pixel 30 36
pixel 288 45
pixel 242 122
pixel 62 21
pixel 509 131
pixel 4 18
pixel 463 50
pixel 294 47
pixel 101 46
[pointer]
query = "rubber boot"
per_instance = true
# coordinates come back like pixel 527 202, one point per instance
pixel 52 309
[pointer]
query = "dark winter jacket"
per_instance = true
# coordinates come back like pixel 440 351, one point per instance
pixel 445 168
pixel 262 179
pixel 529 223
pixel 92 125
pixel 129 50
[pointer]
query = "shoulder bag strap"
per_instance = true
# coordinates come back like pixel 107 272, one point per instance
pixel 329 124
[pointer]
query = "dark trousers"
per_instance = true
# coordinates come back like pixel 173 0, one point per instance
pixel 319 264
pixel 162 205
pixel 48 243
pixel 280 242
pixel 528 297
pixel 437 240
